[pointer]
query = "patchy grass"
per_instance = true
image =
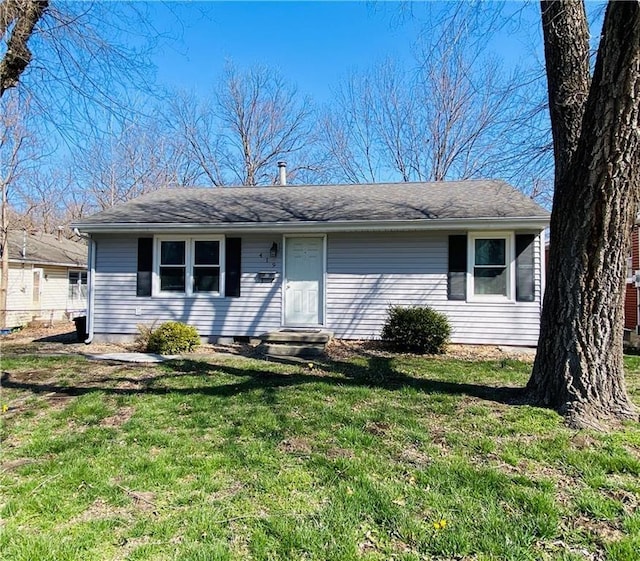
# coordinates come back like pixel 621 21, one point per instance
pixel 372 458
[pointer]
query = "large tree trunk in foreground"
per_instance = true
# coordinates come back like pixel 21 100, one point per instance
pixel 578 368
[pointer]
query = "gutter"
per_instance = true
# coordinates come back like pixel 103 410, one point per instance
pixel 91 269
pixel 488 223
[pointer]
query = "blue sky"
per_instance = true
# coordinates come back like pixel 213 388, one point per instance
pixel 313 44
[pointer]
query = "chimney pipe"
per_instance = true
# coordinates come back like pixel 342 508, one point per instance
pixel 282 173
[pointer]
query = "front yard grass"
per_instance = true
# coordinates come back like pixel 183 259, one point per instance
pixel 371 458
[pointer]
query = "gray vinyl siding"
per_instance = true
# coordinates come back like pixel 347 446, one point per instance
pixel 366 273
pixel 258 309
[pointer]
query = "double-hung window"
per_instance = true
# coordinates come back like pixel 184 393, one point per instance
pixel 189 265
pixel 491 266
pixel 77 285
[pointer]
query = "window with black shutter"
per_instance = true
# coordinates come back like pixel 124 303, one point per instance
pixel 525 268
pixel 145 266
pixel 233 259
pixel 457 275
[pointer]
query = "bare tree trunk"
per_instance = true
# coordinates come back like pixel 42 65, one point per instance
pixel 579 368
pixel 21 17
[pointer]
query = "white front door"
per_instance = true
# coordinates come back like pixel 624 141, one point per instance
pixel 304 287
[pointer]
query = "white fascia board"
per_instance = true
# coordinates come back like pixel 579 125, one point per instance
pixel 491 223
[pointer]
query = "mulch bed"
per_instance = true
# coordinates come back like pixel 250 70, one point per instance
pixel 60 337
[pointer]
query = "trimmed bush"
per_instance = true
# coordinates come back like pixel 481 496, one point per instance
pixel 173 337
pixel 418 330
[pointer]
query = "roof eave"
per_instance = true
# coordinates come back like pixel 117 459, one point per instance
pixel 48 263
pixel 484 223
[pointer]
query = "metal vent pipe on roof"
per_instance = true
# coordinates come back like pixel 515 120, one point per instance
pixel 282 173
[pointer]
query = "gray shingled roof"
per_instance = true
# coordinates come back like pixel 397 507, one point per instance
pixel 46 249
pixel 295 204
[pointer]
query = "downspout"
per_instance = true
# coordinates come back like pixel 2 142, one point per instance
pixel 91 265
pixel 91 292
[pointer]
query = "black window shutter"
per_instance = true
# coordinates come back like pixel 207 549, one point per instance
pixel 525 267
pixel 232 258
pixel 457 277
pixel 145 266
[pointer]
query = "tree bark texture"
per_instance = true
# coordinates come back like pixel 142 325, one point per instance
pixel 18 19
pixel 567 53
pixel 578 368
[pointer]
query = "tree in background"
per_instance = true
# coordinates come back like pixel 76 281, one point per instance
pixel 254 119
pixel 136 157
pixel 456 115
pixel 197 138
pixel 18 19
pixel 70 63
pixel 263 120
pixel 596 132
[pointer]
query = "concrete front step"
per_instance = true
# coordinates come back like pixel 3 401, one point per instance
pixel 309 351
pixel 298 337
pixel 296 343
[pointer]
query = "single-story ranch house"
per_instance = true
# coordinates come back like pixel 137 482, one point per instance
pixel 243 261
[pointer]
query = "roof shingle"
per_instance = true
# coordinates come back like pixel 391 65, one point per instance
pixel 46 249
pixel 324 203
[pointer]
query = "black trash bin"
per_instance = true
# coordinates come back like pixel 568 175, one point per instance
pixel 81 328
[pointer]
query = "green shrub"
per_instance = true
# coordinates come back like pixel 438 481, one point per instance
pixel 173 337
pixel 417 330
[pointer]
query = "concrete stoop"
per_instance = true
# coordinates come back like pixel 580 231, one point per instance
pixel 295 342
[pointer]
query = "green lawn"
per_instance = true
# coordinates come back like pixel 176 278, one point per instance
pixel 373 458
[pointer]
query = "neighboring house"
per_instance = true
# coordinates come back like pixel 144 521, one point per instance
pixel 47 278
pixel 631 292
pixel 242 261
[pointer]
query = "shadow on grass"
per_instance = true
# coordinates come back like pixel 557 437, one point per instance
pixel 378 372
pixel 64 338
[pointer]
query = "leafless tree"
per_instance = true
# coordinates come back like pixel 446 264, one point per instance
pixel 136 157
pixel 18 154
pixel 196 139
pixel 263 119
pixel 254 119
pixel 455 115
pixel 70 62
pixel 447 119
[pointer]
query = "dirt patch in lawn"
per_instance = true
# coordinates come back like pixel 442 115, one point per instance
pixel 120 418
pixel 99 510
pixel 12 465
pixel 295 446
